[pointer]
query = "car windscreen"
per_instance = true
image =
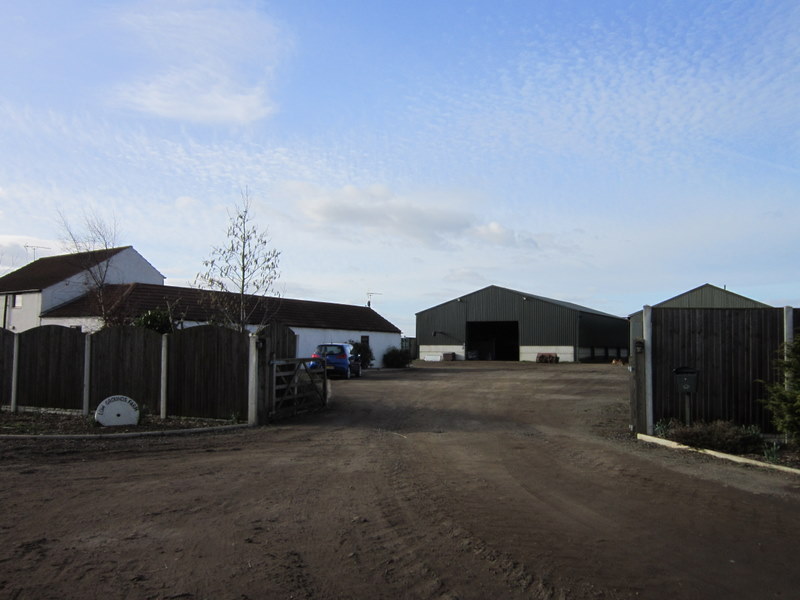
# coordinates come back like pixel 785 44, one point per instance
pixel 327 350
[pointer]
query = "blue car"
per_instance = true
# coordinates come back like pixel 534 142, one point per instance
pixel 339 359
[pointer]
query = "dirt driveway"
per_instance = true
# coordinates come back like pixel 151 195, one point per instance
pixel 480 480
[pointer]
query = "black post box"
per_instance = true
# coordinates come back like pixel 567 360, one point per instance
pixel 686 378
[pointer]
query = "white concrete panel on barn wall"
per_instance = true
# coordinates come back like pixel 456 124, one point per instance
pixel 434 352
pixel 565 353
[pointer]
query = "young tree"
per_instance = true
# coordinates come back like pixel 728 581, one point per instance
pixel 245 270
pixel 783 397
pixel 90 246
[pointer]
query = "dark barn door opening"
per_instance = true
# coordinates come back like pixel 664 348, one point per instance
pixel 493 340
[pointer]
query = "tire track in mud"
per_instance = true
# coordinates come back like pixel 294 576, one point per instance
pixel 419 537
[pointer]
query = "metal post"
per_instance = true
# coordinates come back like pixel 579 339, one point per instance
pixel 647 322
pixel 688 402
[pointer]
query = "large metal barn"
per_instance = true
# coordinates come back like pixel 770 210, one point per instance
pixel 496 323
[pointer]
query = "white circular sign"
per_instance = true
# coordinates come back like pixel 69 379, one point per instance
pixel 117 410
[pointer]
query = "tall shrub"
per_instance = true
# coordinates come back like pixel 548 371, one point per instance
pixel 783 397
pixel 396 358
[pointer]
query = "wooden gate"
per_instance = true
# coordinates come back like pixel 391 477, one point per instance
pixel 296 385
pixel 287 385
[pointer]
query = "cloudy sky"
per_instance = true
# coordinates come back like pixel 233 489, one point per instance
pixel 607 153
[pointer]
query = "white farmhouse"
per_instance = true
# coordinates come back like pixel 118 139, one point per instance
pixel 46 283
pixel 60 290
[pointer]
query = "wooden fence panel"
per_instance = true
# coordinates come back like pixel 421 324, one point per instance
pixel 51 368
pixel 732 350
pixel 6 363
pixel 208 373
pixel 279 340
pixel 127 361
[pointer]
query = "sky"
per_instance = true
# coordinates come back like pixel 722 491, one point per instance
pixel 608 153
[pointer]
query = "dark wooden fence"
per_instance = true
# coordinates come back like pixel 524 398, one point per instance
pixel 202 372
pixel 6 365
pixel 208 373
pixel 51 364
pixel 732 352
pixel 126 361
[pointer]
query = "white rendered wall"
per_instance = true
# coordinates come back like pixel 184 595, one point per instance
pixel 21 318
pixel 87 324
pixel 308 339
pixel 128 266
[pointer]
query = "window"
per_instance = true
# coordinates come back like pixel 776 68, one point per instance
pixel 16 300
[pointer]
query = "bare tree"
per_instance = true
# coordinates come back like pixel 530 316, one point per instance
pixel 90 246
pixel 244 270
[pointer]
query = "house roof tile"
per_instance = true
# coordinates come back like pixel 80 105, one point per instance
pixel 44 272
pixel 190 304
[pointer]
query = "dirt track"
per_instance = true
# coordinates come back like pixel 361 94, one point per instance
pixel 481 480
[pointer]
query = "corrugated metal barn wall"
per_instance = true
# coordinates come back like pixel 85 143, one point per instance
pixel 447 320
pixel 540 322
pixel 602 331
pixel 493 304
pixel 547 324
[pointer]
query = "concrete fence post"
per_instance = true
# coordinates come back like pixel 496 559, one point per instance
pixel 647 318
pixel 252 382
pixel 87 371
pixel 15 373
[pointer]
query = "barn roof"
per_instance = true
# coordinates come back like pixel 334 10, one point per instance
pixel 50 270
pixel 190 304
pixel 710 296
pixel 569 305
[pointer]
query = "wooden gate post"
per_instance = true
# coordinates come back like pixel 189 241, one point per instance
pixel 270 385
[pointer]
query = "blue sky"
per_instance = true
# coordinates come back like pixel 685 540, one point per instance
pixel 611 154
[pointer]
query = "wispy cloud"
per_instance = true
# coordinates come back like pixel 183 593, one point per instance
pixel 208 62
pixel 630 93
pixel 436 220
